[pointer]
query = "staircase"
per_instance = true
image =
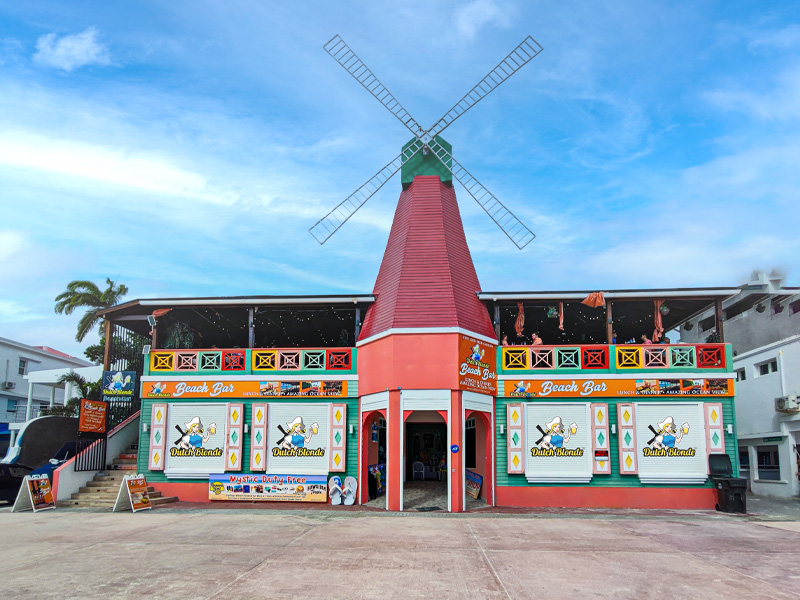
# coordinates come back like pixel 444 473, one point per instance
pixel 102 491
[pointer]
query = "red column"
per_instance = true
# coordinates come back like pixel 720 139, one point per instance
pixel 394 454
pixel 456 475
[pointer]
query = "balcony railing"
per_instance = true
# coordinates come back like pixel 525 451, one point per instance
pixel 613 358
pixel 250 361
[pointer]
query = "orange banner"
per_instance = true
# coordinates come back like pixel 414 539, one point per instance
pixel 610 388
pixel 138 493
pixel 244 389
pixel 478 369
pixel 92 416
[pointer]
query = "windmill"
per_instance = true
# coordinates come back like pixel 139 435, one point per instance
pixel 428 141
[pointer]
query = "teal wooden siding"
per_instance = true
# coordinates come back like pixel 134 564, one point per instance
pixel 614 479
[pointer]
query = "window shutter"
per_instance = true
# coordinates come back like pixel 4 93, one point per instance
pixel 715 432
pixel 158 434
pixel 233 443
pixel 600 439
pixel 258 438
pixel 626 423
pixel 515 439
pixel 338 439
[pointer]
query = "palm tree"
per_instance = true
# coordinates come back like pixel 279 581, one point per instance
pixel 91 390
pixel 81 294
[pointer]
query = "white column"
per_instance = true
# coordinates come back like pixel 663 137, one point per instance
pixel 52 396
pixel 67 392
pixel 753 453
pixel 30 401
pixel 13 438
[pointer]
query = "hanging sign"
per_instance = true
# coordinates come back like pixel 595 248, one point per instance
pixel 92 416
pixel 34 494
pixel 119 383
pixel 590 388
pixel 133 494
pixel 243 389
pixel 474 481
pixel 286 488
pixel 478 366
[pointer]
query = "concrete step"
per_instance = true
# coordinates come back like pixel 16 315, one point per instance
pixel 125 461
pixel 112 496
pixel 105 489
pixel 128 456
pixel 124 467
pixel 103 503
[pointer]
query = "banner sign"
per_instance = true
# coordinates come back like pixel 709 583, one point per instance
pixel 196 434
pixel 478 368
pixel 474 482
pixel 133 494
pixel 119 383
pixel 92 416
pixel 244 389
pixel 284 488
pixel 558 442
pixel 298 438
pixel 34 494
pixel 609 388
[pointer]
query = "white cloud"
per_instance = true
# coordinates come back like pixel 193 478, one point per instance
pixel 780 39
pixel 12 311
pixel 473 17
pixel 11 242
pixel 71 51
pixel 780 103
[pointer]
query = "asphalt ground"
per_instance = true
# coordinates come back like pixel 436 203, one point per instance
pixel 186 551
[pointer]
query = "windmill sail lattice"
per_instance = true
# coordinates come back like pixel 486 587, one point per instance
pixel 425 140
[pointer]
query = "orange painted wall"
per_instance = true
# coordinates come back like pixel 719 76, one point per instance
pixel 600 497
pixel 409 361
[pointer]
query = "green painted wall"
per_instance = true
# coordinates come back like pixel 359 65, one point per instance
pixel 351 456
pixel 614 479
pixel 422 164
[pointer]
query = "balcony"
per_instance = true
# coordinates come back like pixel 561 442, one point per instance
pixel 601 358
pixel 255 361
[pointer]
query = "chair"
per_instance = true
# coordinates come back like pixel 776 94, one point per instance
pixel 417 468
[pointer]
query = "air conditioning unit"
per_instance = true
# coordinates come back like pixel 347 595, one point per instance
pixel 9 385
pixel 787 404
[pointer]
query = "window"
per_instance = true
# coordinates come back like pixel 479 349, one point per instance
pixel 470 454
pixel 794 307
pixel 769 467
pixel 741 374
pixel 12 405
pixel 23 366
pixel 765 368
pixel 744 459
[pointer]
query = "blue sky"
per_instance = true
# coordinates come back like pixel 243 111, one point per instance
pixel 184 148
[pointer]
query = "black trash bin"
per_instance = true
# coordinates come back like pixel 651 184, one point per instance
pixel 731 491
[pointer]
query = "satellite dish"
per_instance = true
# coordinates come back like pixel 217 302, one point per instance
pixel 427 141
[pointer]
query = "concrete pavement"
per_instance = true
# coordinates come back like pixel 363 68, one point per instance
pixel 185 552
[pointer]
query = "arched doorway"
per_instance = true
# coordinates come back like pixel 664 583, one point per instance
pixel 425 460
pixel 478 463
pixel 372 484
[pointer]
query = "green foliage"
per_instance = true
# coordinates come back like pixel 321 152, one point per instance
pixel 179 335
pixel 86 294
pixel 91 390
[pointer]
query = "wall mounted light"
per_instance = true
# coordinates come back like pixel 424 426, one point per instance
pixel 246 428
pixel 145 427
pixel 614 429
pixel 351 429
pixel 730 429
pixel 502 429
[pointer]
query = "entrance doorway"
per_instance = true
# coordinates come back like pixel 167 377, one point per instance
pixel 425 450
pixel 477 459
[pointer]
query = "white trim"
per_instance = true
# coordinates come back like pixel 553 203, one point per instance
pixel 576 479
pixel 170 376
pixel 253 301
pixel 475 401
pixel 755 436
pixel 78 362
pixel 583 376
pixel 371 402
pixel 766 348
pixel 425 399
pixel 668 479
pixel 619 295
pixel 417 330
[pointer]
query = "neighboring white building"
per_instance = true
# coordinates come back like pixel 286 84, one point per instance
pixel 769 428
pixel 17 360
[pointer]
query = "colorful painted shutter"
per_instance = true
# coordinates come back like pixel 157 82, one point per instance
pixel 338 438
pixel 158 442
pixel 715 433
pixel 258 438
pixel 626 424
pixel 233 443
pixel 600 439
pixel 515 438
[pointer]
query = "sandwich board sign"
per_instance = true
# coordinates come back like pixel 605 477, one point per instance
pixel 34 494
pixel 133 494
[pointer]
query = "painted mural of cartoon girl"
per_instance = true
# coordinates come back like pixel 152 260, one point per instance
pixel 667 434
pixel 555 436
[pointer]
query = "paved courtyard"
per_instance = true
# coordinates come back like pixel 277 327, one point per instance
pixel 181 552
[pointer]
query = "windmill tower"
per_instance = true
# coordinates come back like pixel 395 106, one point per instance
pixel 426 308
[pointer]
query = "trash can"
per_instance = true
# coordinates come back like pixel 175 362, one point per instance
pixel 731 491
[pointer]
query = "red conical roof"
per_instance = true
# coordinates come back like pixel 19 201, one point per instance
pixel 427 279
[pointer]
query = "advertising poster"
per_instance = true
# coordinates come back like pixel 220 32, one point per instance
pixel 92 416
pixel 609 388
pixel 40 492
pixel 196 438
pixel 297 438
pixel 283 488
pixel 474 481
pixel 137 492
pixel 478 367
pixel 558 443
pixel 119 383
pixel 243 389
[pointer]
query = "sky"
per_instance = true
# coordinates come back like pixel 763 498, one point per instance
pixel 184 148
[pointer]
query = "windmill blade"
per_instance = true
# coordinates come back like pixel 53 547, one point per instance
pixel 330 223
pixel 516 231
pixel 344 55
pixel 516 59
